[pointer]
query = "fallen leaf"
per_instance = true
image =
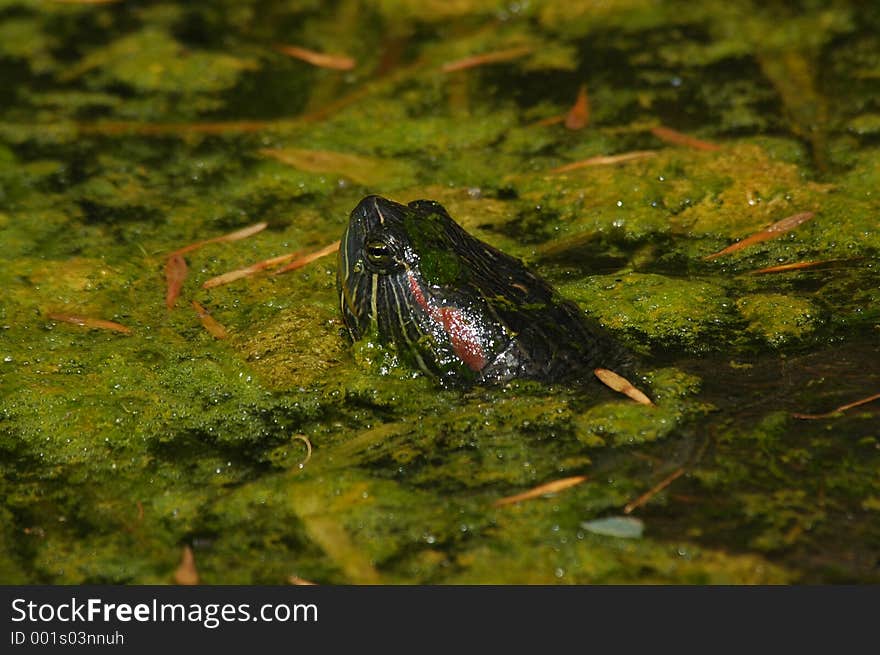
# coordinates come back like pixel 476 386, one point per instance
pixel 796 266
pixel 319 59
pixel 243 233
pixel 603 160
pixel 541 490
pixel 622 385
pixel 842 408
pixel 296 580
pixel 209 323
pixel 579 115
pixel 487 58
pixel 186 573
pixel 777 229
pixel 248 271
pixel 677 138
pixel 175 275
pixel 306 259
pixel 84 321
pixel 653 491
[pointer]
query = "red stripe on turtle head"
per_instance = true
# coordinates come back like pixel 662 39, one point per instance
pixel 464 337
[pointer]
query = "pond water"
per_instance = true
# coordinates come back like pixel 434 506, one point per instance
pixel 273 450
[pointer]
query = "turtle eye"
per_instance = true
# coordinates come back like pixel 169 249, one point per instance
pixel 379 254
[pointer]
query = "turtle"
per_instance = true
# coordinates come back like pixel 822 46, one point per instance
pixel 455 307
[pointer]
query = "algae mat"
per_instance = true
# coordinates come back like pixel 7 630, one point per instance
pixel 280 451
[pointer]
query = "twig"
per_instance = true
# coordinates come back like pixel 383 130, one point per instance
pixel 653 491
pixel 842 408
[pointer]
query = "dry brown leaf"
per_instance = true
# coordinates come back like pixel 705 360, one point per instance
pixel 653 491
pixel 842 408
pixel 84 321
pixel 209 322
pixel 243 233
pixel 541 490
pixel 796 266
pixel 175 275
pixel 296 580
pixel 579 115
pixel 603 160
pixel 675 137
pixel 622 385
pixel 320 59
pixel 186 572
pixel 248 271
pixel 487 58
pixel 307 259
pixel 777 229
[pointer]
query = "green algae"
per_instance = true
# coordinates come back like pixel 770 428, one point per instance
pixel 668 311
pixel 778 318
pixel 623 424
pixel 117 449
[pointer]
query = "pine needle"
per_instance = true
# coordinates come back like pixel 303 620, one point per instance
pixel 796 266
pixel 604 160
pixel 674 137
pixel 307 259
pixel 840 409
pixel 541 490
pixel 225 238
pixel 488 58
pixel 653 491
pixel 776 230
pixel 248 271
pixel 84 321
pixel 319 59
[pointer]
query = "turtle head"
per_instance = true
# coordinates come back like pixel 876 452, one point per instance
pixel 385 244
